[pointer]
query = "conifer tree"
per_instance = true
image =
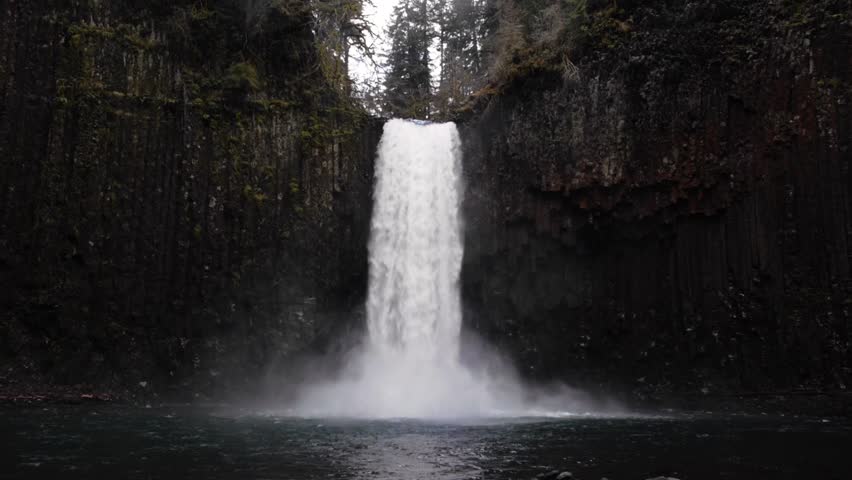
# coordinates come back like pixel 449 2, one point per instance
pixel 460 48
pixel 408 79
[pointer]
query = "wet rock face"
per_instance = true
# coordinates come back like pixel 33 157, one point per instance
pixel 675 215
pixel 172 204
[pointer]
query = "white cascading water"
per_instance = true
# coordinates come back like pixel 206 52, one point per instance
pixel 410 366
pixel 413 307
pixel 415 244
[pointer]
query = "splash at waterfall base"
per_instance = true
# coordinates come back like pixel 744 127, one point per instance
pixel 382 383
pixel 409 365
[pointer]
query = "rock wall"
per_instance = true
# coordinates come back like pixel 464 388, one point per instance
pixel 673 214
pixel 183 197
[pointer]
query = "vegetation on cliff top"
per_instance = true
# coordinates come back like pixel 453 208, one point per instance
pixel 483 46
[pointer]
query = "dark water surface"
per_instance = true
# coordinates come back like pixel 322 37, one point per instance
pixel 123 442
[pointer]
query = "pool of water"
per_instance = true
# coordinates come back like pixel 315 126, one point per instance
pixel 172 443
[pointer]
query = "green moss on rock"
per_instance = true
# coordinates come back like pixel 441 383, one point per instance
pixel 242 76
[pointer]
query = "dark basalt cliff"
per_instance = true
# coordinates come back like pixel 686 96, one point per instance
pixel 184 200
pixel 673 214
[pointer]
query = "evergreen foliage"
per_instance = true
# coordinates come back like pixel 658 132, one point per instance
pixel 408 81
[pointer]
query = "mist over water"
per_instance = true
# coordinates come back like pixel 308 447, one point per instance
pixel 409 365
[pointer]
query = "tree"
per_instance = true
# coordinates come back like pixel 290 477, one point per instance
pixel 339 26
pixel 461 63
pixel 408 81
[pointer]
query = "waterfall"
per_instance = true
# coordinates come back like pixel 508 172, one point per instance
pixel 415 244
pixel 410 365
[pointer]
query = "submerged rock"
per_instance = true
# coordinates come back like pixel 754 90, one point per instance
pixel 548 475
pixel 555 475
